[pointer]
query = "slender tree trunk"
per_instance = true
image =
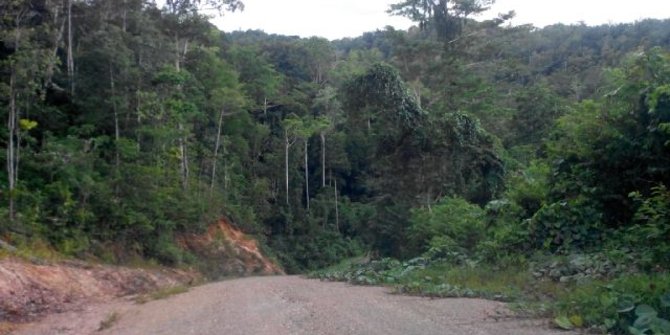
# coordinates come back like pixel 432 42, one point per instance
pixel 177 60
pixel 12 128
pixel 216 150
pixel 54 54
pixel 184 158
pixel 287 144
pixel 337 210
pixel 70 56
pixel 306 174
pixel 226 177
pixel 11 146
pixel 138 114
pixel 323 159
pixel 124 16
pixel 117 131
pixel 182 140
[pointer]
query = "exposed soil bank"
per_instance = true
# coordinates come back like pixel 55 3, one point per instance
pixel 29 291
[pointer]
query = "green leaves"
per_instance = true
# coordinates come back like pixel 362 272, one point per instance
pixel 451 224
pixel 27 124
pixel 645 311
pixel 563 322
pixel 625 303
pixel 648 320
pixel 665 300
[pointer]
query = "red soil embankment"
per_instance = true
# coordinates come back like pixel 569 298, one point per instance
pixel 228 251
pixel 29 290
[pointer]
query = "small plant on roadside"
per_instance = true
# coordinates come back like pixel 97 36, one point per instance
pixel 109 321
pixel 630 304
pixel 647 320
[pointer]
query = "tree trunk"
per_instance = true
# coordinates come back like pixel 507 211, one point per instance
pixel 182 140
pixel 323 159
pixel 306 174
pixel 184 158
pixel 287 144
pixel 117 131
pixel 177 60
pixel 70 57
pixel 337 210
pixel 11 146
pixel 124 16
pixel 216 150
pixel 138 113
pixel 54 53
pixel 12 128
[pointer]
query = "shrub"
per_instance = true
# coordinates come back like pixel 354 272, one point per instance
pixel 572 223
pixel 453 223
pixel 651 229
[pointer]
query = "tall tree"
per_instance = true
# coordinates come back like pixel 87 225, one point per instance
pixel 329 108
pixel 292 126
pixel 445 17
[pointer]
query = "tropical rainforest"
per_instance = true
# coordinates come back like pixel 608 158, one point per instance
pixel 453 151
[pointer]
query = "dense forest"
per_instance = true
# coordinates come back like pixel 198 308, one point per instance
pixel 459 140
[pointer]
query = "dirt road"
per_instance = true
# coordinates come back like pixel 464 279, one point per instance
pixel 292 305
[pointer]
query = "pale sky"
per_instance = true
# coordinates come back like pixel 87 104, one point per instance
pixel 335 19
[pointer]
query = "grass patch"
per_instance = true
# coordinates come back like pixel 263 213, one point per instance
pixel 443 280
pixel 109 321
pixel 32 250
pixel 161 294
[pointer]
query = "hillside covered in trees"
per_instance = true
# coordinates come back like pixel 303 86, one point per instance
pixel 459 141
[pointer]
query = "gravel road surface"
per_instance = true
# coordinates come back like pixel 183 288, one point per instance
pixel 292 305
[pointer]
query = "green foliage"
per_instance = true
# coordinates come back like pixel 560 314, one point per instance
pixel 607 150
pixel 631 304
pixel 652 227
pixel 434 277
pixel 476 153
pixel 315 250
pixel 382 88
pixel 573 223
pixel 452 224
